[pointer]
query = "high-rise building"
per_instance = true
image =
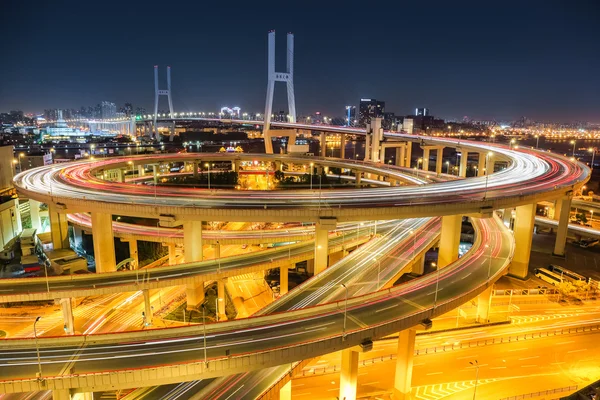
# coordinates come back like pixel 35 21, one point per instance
pixel 109 110
pixel 370 108
pixel 351 116
pixel 421 112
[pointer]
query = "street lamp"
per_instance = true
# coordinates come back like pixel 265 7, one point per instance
pixel 21 155
pixel 447 167
pixel 204 327
pixel 593 151
pixel 487 246
pixel 537 141
pixel 345 312
pixel 476 365
pixel 487 157
pixel 37 348
pixel 437 283
pixel 512 143
pixel 573 142
pixel 311 174
pixel 208 165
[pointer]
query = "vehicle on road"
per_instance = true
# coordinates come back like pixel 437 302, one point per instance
pixel 548 276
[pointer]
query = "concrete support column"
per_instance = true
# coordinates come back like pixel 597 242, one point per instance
pixel 194 293
pixel 404 364
pixel 400 156
pixel 323 144
pixel 335 257
pixel 358 180
pixel 349 374
pixel 322 229
pixel 283 279
pixel 310 267
pixel 418 267
pixel 61 394
pixel 484 302
pixel 192 241
pixel 195 169
pixel 104 245
pixel 59 228
pixel 367 147
pixel 172 254
pixel 147 307
pixel 563 225
pixel 66 306
pixel 408 154
pixel 449 240
pixel 155 173
pixel 285 393
pixel 120 175
pixel 507 217
pixel 342 146
pixel 141 170
pixel 133 253
pixel 523 231
pixel 34 207
pixel 426 159
pixel 481 164
pixel 464 156
pixel 217 250
pixel 439 158
pixel 221 299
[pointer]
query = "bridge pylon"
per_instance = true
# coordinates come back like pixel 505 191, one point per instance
pixel 287 77
pixel 157 93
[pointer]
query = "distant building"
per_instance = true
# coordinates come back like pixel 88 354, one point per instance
pixel 109 110
pixel 407 125
pixel 370 108
pixel 390 121
pixel 351 116
pixel 421 112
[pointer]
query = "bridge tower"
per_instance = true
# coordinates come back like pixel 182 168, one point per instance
pixel 273 77
pixel 158 92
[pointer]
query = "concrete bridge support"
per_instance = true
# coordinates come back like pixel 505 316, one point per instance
pixel 523 231
pixel 322 229
pixel 217 250
pixel 400 156
pixel 285 393
pixel 563 225
pixel 481 164
pixel 34 207
pixel 104 245
pixel 349 374
pixel 418 267
pixel 283 279
pixel 192 241
pixel 449 240
pixel 133 253
pixel 426 155
pixel 66 306
pixel 358 180
pixel 484 302
pixel 439 158
pixel 141 170
pixel 464 157
pixel 194 293
pixel 172 254
pixel 323 144
pixel 59 228
pixel 61 394
pixel 404 364
pixel 155 173
pixel 342 146
pixel 147 307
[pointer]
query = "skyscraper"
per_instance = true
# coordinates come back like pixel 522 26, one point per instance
pixel 370 108
pixel 351 116
pixel 422 112
pixel 109 110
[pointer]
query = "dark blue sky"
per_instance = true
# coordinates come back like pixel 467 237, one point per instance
pixel 483 59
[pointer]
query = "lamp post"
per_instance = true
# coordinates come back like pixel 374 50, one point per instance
pixel 437 283
pixel 593 151
pixel 487 156
pixel 311 174
pixel 537 141
pixel 345 312
pixel 208 166
pixel 476 365
pixel 447 167
pixel 487 246
pixel 204 328
pixel 573 142
pixel 21 155
pixel 37 348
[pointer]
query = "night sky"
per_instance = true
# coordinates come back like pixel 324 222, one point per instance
pixel 482 59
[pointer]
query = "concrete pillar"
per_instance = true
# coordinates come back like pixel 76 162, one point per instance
pixel 439 158
pixel 367 147
pixel 418 267
pixel 464 156
pixel 133 253
pixel 404 364
pixel 310 267
pixel 481 164
pixel 335 257
pixel 283 279
pixel 61 394
pixel 408 155
pixel 426 159
pixel 155 173
pixel 141 170
pixel 381 156
pixel 147 307
pixel 221 299
pixel 449 240
pixel 104 245
pixel 83 396
pixel 349 374
pixel 194 293
pixel 358 180
pixel 285 393
pixel 342 146
pixel 172 254
pixel 323 144
pixel 34 207
pixel 217 250
pixel 192 241
pixel 59 228
pixel 66 306
pixel 322 229
pixel 120 175
pixel 563 226
pixel 484 302
pixel 523 231
pixel 195 169
pixel 400 155
pixel 507 217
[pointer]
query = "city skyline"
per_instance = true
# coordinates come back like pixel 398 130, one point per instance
pixel 516 64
